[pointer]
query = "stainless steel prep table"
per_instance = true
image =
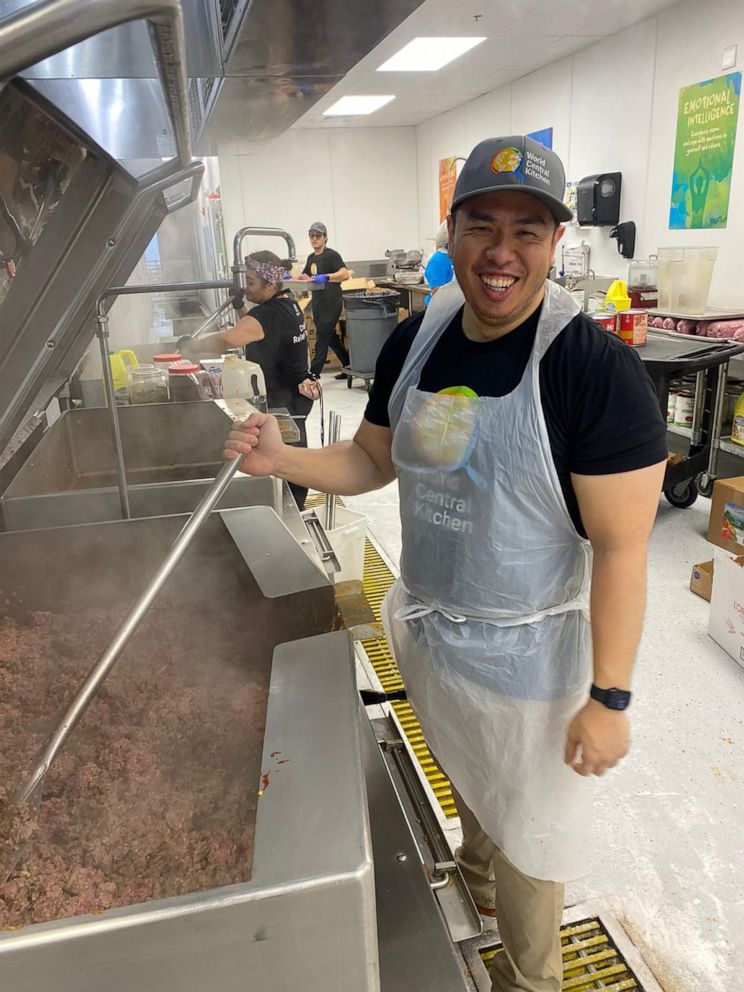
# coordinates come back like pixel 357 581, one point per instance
pixel 411 295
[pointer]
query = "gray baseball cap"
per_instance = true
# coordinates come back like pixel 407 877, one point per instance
pixel 320 227
pixel 515 163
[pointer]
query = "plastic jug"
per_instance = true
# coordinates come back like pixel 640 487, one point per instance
pixel 737 429
pixel 120 362
pixel 617 298
pixel 244 380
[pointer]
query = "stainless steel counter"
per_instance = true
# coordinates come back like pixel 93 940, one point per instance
pixel 411 297
pixel 172 451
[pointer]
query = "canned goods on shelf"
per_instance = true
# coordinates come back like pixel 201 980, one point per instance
pixel 606 320
pixel 731 398
pixel 632 327
pixel 684 408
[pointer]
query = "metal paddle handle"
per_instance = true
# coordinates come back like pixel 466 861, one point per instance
pixel 108 659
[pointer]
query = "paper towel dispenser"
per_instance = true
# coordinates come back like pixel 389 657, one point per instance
pixel 598 200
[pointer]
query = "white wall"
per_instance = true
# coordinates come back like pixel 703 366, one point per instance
pixel 361 182
pixel 613 107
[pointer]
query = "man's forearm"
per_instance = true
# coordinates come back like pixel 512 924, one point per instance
pixel 618 603
pixel 344 469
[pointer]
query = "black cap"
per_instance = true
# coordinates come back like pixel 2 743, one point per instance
pixel 320 227
pixel 515 163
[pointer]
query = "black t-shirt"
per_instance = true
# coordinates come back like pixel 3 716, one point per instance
pixel 326 302
pixel 599 403
pixel 282 354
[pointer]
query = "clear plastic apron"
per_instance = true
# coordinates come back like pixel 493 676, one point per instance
pixel 489 620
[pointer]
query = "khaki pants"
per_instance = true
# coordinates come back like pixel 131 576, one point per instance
pixel 528 912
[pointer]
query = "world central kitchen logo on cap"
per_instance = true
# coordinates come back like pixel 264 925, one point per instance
pixel 506 160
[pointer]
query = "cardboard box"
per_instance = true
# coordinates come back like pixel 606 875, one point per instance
pixel 726 623
pixel 357 283
pixel 726 526
pixel 701 580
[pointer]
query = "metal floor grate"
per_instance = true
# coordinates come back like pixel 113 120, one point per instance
pixel 591 961
pixel 377 580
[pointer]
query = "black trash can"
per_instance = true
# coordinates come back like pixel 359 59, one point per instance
pixel 371 316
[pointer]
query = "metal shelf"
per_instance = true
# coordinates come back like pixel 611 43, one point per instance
pixel 682 431
pixel 726 444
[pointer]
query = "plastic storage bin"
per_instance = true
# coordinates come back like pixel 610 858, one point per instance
pixel 684 279
pixel 370 319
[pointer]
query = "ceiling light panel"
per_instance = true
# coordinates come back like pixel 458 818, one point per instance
pixel 356 106
pixel 429 54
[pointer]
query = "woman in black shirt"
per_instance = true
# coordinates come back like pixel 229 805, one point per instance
pixel 274 336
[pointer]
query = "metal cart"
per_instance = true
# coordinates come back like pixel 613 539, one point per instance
pixel 668 357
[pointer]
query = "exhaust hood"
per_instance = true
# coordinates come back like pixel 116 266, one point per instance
pixel 254 68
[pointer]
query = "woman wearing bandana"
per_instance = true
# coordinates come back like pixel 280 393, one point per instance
pixel 274 336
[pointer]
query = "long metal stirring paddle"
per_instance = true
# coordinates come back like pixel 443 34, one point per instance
pixel 110 656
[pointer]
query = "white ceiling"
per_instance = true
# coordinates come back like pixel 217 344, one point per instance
pixel 523 35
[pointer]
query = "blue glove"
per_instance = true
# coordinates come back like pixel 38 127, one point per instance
pixel 321 278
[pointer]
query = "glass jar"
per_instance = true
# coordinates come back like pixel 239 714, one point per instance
pixel 167 358
pixel 184 382
pixel 148 384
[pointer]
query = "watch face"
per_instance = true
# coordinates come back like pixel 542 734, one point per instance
pixel 617 699
pixel 613 699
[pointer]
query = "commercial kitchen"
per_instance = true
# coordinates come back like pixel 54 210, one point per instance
pixel 212 778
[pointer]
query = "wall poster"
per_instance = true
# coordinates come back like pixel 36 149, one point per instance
pixel 447 182
pixel 545 137
pixel 703 156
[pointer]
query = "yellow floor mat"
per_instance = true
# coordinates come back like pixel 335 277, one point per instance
pixel 377 580
pixel 590 960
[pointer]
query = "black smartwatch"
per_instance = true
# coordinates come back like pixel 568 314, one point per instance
pixel 613 699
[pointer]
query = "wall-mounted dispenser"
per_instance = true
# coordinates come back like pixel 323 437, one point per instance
pixel 598 200
pixel 625 234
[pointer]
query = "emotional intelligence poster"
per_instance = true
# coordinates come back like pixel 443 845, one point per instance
pixel 704 153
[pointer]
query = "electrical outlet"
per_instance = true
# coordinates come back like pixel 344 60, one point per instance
pixel 729 57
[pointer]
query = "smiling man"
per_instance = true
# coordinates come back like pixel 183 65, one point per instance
pixel 526 442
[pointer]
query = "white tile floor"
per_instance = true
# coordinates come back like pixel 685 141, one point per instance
pixel 668 858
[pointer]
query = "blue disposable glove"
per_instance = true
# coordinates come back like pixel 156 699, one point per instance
pixel 321 278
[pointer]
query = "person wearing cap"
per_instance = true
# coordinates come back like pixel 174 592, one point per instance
pixel 326 303
pixel 439 270
pixel 274 335
pixel 529 450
